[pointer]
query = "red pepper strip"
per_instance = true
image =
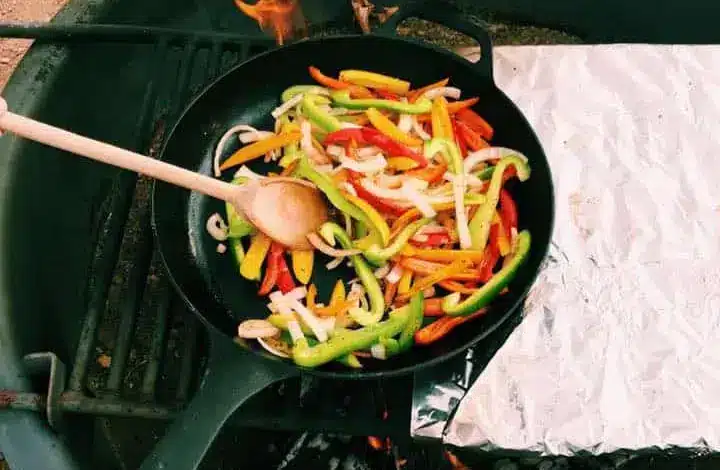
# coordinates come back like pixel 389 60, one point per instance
pixel 492 255
pixel 508 212
pixel 284 280
pixel 431 174
pixel 459 138
pixel 471 138
pixel 387 95
pixel 345 135
pixel 356 91
pixel 392 147
pixel 434 240
pixel 441 327
pixel 453 108
pixel 433 307
pixel 272 269
pixel 382 205
pixel 476 123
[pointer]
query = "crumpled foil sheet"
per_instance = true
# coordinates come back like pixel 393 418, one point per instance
pixel 618 348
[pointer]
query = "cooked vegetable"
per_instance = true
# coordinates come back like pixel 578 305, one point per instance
pixel 342 98
pixel 376 81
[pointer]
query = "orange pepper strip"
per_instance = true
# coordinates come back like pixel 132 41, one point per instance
pixel 440 118
pixel 310 298
pixel 455 267
pixel 405 281
pixel 356 91
pixel 413 95
pixel 427 268
pixel 453 108
pixel 500 235
pixel 433 307
pixel 476 122
pixel 390 291
pixel 453 286
pixel 441 327
pixel 444 256
pixel 260 148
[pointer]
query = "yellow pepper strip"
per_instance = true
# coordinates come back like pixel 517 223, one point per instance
pixel 401 163
pixel 302 264
pixel 443 256
pixel 387 127
pixel 457 266
pixel 380 226
pixel 310 297
pixel 375 80
pixel 338 293
pixel 441 125
pixel 260 148
pixel 415 94
pixel 252 263
pixel 405 281
pixel 503 242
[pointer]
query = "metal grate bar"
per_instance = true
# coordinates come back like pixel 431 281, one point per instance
pixel 157 346
pixel 188 356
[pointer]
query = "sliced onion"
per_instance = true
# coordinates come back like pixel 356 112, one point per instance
pixel 309 319
pixel 251 329
pixel 394 275
pixel 307 146
pixel 419 200
pixel 272 350
pixel 287 106
pixel 470 180
pixel 373 165
pixel 216 227
pixel 316 241
pixel 420 238
pixel 349 125
pixel 405 123
pixel 223 140
pixel 334 263
pixel 298 293
pixel 446 91
pixel 432 228
pixel 335 150
pixel 377 351
pixel 295 331
pixel 349 188
pixel 254 136
pixel 380 273
pixel 461 219
pixel 418 129
pixel 245 172
pixel 271 306
pixel 367 152
pixel 329 322
pixel 221 248
pixel 384 193
pixel 490 153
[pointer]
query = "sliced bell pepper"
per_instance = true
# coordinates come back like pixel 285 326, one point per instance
pixel 238 225
pixel 454 286
pixel 433 240
pixel 284 280
pixel 401 163
pixel 326 185
pixel 293 91
pixel 347 359
pixel 441 124
pixel 412 214
pixel 415 94
pixel 260 148
pixel 252 263
pixel 332 232
pixel 383 205
pixel 427 268
pixel 441 327
pixel 386 95
pixel 498 236
pixel 431 174
pixel 476 123
pixel 487 293
pixel 338 303
pixel 345 135
pixel 342 98
pixel 453 108
pixel 508 212
pixel 338 294
pixel 392 147
pixel 378 223
pixel 329 82
pixel 238 251
pixel 347 341
pixel 471 138
pixel 492 255
pixel 433 307
pixel 481 221
pixel 387 127
pixel 405 282
pixel 457 266
pixel 379 256
pixel 390 292
pixel 272 269
pixel 459 140
pixel 291 151
pixel 375 81
pixel 413 323
pixel 302 263
pixel 443 256
pixel 319 117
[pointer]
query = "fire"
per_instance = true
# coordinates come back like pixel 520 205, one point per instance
pixel 284 17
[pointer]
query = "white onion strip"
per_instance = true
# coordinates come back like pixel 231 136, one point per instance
pixel 446 91
pixel 418 128
pixel 377 351
pixel 310 320
pixel 394 275
pixel 287 106
pixel 334 263
pixel 405 123
pixel 254 136
pixel 307 146
pixel 316 241
pixel 461 219
pixel 252 329
pixel 216 227
pixel 373 165
pixel 295 331
pixel 490 153
pixel 223 140
pixel 419 200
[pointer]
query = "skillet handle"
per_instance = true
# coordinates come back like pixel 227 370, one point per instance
pixel 231 378
pixel 449 17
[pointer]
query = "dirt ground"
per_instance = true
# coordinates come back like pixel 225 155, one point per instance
pixel 17 11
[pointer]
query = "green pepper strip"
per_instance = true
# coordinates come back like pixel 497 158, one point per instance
pixel 347 341
pixel 378 256
pixel 238 225
pixel 449 148
pixel 415 319
pixel 325 184
pixel 487 293
pixel 319 117
pixel 332 232
pixel 480 223
pixel 342 98
pixel 293 91
pixel 346 359
pixel 485 174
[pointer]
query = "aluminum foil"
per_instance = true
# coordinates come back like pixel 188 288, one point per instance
pixel 618 345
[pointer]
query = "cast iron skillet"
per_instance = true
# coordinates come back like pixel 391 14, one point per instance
pixel 210 284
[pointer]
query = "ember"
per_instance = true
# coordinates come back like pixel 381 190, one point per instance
pixel 283 17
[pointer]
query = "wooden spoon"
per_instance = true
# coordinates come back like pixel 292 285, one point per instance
pixel 285 209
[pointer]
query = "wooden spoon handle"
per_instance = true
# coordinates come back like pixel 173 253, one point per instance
pixel 106 153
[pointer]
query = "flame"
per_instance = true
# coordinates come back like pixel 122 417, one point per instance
pixel 284 17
